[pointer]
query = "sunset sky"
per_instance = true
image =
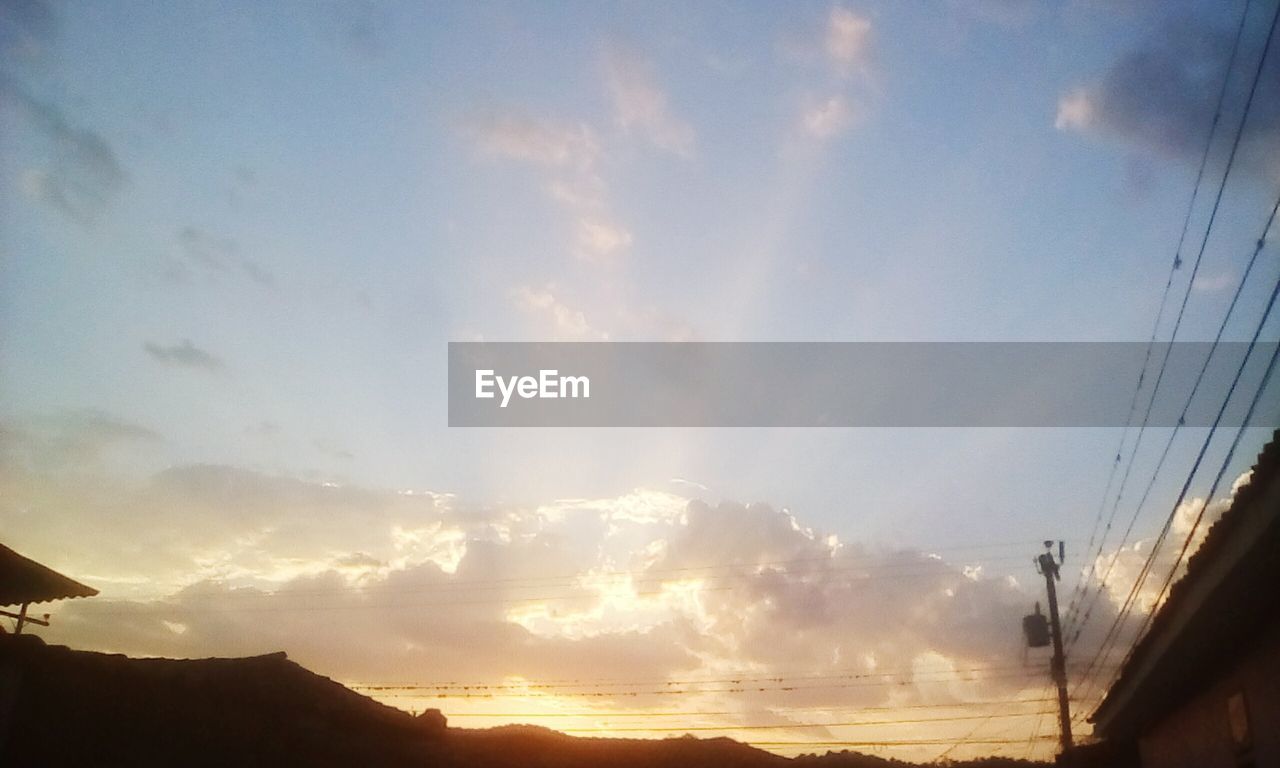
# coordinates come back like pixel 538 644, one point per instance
pixel 237 239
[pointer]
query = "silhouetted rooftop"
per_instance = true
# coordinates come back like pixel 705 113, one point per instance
pixel 64 707
pixel 23 580
pixel 1225 599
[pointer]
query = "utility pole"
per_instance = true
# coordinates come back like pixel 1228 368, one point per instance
pixel 1048 567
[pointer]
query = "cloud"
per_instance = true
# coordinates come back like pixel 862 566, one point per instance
pixel 828 119
pixel 1160 97
pixel 75 438
pixel 848 38
pixel 1125 564
pixel 366 584
pixel 1005 13
pixel 26 28
pixel 1075 111
pixel 568 155
pixel 564 322
pixel 331 450
pixel 359 560
pixel 517 136
pixel 362 26
pixel 1206 283
pixel 847 85
pixel 218 255
pixel 184 355
pixel 651 323
pixel 1111 577
pixel 601 238
pixel 264 428
pixel 641 106
pixel 83 173
pixel 650 581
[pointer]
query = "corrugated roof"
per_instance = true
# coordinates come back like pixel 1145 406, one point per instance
pixel 1265 473
pixel 23 580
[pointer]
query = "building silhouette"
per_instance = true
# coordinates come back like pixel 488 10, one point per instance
pixel 1202 688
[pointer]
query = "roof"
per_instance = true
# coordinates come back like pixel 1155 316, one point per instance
pixel 71 707
pixel 23 580
pixel 1227 596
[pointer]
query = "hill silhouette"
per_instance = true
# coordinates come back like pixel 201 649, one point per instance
pixel 64 707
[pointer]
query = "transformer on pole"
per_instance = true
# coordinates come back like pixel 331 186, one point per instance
pixel 1039 635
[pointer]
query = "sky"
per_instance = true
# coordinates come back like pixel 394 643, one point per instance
pixel 238 237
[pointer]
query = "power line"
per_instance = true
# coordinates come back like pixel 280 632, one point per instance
pixel 1035 732
pixel 1226 462
pixel 1160 311
pixel 891 743
pixel 417 692
pixel 1141 579
pixel 730 675
pixel 701 713
pixel 1130 600
pixel 731 679
pixel 1222 184
pixel 1082 584
pixel 1260 244
pixel 1257 76
pixel 968 738
pixel 1239 432
pixel 791 726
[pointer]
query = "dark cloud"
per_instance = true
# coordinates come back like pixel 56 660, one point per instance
pixel 1161 96
pixel 216 254
pixel 83 172
pixel 365 25
pixel 213 251
pixel 360 26
pixel 184 354
pixel 69 439
pixel 1006 13
pixel 26 26
pixel 331 450
pixel 264 428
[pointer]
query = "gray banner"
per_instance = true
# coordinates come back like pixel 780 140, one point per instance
pixel 927 384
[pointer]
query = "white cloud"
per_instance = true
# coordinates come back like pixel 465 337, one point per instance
pixel 1205 283
pixel 444 545
pixel 520 137
pixel 433 581
pixel 640 506
pixel 641 106
pixel 845 51
pixel 569 155
pixel 848 39
pixel 80 438
pixel 566 323
pixel 600 238
pixel 1125 564
pixel 829 118
pixel 1075 111
pixel 364 584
